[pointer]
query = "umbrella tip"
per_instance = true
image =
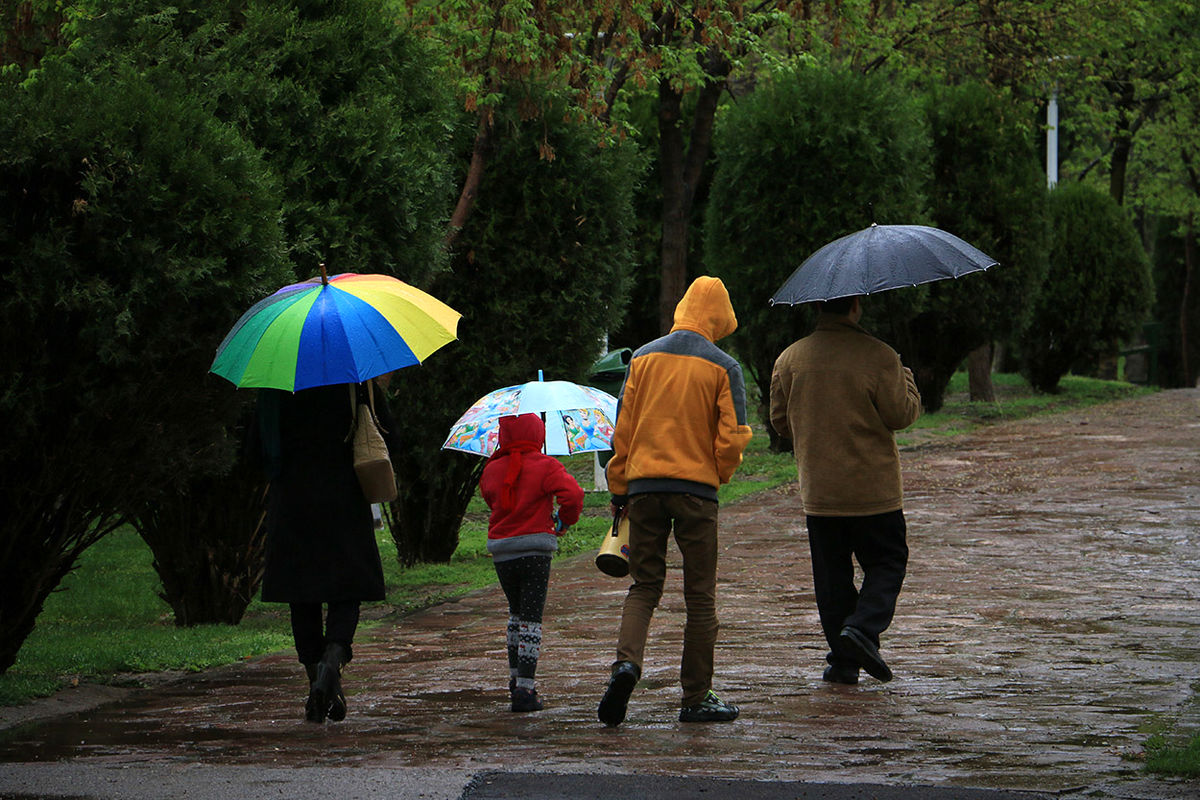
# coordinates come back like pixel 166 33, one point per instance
pixel 540 378
pixel 324 275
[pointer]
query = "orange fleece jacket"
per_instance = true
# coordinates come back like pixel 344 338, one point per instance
pixel 681 422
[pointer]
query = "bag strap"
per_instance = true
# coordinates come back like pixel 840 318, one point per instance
pixel 353 413
pixel 354 407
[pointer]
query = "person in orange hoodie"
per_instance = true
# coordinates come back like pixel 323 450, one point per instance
pixel 520 484
pixel 680 432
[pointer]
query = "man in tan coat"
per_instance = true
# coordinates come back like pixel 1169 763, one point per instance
pixel 840 394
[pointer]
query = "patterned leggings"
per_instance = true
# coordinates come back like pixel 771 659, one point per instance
pixel 524 581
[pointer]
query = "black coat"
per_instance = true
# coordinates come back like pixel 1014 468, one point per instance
pixel 320 532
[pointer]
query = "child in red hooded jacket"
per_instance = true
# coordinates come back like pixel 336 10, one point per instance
pixel 520 484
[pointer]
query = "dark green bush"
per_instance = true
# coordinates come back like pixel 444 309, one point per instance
pixel 349 112
pixel 1097 290
pixel 988 188
pixel 345 107
pixel 808 157
pixel 133 228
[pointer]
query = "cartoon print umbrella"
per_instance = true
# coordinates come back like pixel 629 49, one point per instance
pixel 879 258
pixel 579 419
pixel 344 329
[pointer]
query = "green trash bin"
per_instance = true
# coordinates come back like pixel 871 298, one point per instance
pixel 607 375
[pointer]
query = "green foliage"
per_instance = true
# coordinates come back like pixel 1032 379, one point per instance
pixel 1165 758
pixel 809 157
pixel 342 102
pixel 133 233
pixel 988 189
pixel 1097 290
pixel 346 106
pixel 540 273
pixel 351 124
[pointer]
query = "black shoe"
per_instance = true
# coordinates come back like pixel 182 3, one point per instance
pixel 710 709
pixel 325 698
pixel 337 704
pixel 317 705
pixel 524 700
pixel 313 705
pixel 867 654
pixel 840 674
pixel 625 676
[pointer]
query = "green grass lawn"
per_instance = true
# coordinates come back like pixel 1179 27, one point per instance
pixel 1014 400
pixel 1181 759
pixel 106 623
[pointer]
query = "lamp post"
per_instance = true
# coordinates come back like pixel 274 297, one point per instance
pixel 1052 139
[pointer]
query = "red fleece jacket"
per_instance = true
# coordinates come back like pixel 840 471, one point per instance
pixel 539 481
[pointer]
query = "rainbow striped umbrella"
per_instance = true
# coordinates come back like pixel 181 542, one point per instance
pixel 344 329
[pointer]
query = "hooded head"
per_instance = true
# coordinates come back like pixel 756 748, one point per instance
pixel 705 309
pixel 523 432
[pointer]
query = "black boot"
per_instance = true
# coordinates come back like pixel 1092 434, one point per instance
pixel 327 688
pixel 314 706
pixel 524 700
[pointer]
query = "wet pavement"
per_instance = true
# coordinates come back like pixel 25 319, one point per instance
pixel 1048 624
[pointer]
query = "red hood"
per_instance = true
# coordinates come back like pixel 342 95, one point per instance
pixel 526 428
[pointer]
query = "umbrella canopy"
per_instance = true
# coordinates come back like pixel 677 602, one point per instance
pixel 344 329
pixel 579 419
pixel 879 258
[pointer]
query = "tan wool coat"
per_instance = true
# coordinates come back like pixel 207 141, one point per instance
pixel 840 394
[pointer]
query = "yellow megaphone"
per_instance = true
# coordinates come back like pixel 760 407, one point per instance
pixel 613 558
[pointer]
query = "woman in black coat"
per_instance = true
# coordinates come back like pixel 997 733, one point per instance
pixel 321 546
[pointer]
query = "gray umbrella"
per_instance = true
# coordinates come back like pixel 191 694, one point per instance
pixel 879 258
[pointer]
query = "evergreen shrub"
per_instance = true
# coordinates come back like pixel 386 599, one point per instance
pixel 1098 288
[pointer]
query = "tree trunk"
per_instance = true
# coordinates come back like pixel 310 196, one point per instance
pixel 681 173
pixel 42 535
pixel 425 517
pixel 209 544
pixel 675 206
pixel 1122 147
pixel 470 189
pixel 1124 99
pixel 1108 364
pixel 979 375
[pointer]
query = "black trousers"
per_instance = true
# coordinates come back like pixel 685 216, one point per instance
pixel 525 582
pixel 311 634
pixel 878 543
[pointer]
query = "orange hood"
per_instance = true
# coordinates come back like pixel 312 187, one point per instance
pixel 705 309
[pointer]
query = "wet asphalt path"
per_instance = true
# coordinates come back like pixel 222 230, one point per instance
pixel 1048 622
